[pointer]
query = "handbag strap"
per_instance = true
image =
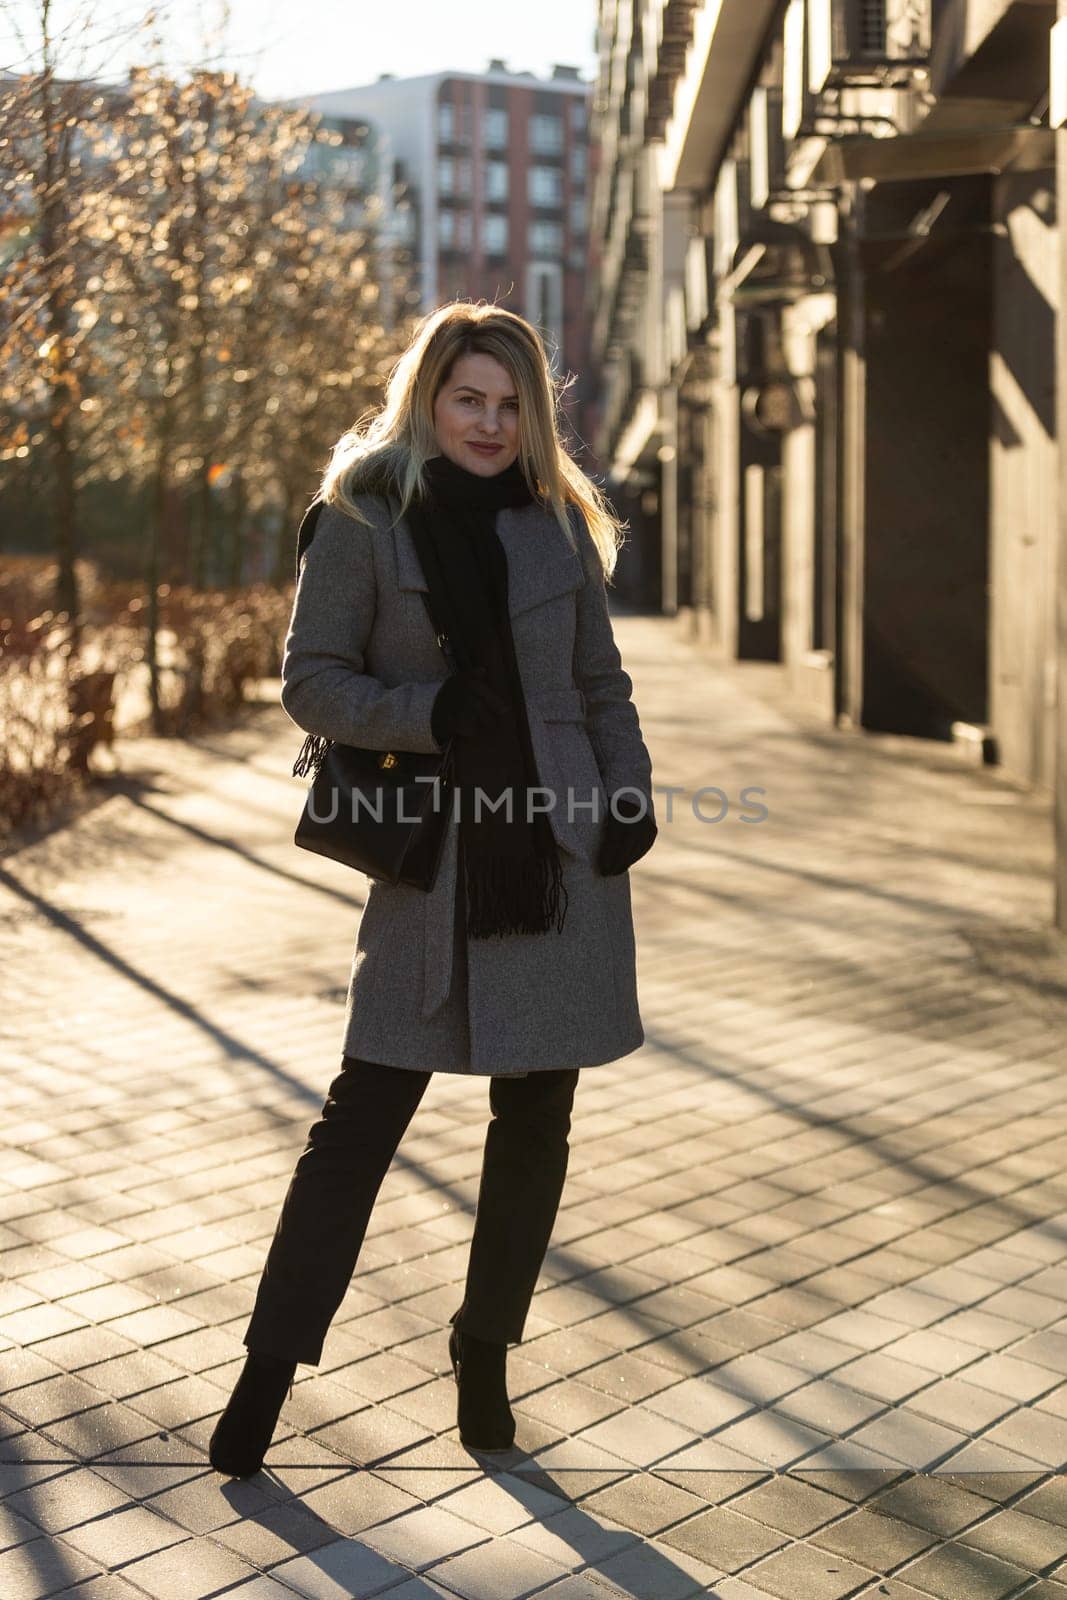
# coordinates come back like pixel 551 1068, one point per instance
pixel 306 532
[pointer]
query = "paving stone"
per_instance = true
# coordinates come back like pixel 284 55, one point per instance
pixel 953 1399
pixel 803 1570
pixel 110 1300
pixel 913 1440
pixel 575 1587
pixel 647 1504
pixel 829 1407
pixel 699 1403
pixel 15 1530
pixel 891 1589
pixel 772 1438
pixel 131 1374
pixel 42 1567
pixel 23 1367
pixel 932 1503
pixel 422 1536
pixel 104 1428
pixel 573 1537
pixel 210 1503
pixel 112 1586
pixel 1048 1500
pixel 856 1485
pixel 880 1542
pixel 710 1455
pixel 1030 1542
pixel 66 1500
pixel 124 1536
pixel 885 1377
pixel 38 1322
pixel 569 1404
pixel 932 1350
pixel 85 1347
pixel 791 1506
pixel 500 1504
pixel 21 1474
pixel 52 1399
pixel 1034 1434
pixel 638 1436
pixel 196 1568
pixel 653 1568
pixel 712 1487
pixel 723 1538
pixel 956 1572
pixel 981 1457
pixel 497 1570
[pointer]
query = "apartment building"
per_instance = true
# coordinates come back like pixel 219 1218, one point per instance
pixel 826 319
pixel 496 166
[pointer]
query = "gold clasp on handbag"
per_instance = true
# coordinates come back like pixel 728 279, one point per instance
pixel 387 760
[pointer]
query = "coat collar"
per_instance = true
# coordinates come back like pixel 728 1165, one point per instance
pixel 541 562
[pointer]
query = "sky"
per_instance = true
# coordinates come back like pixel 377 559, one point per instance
pixel 297 47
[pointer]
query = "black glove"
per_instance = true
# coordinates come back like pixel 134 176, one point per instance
pixel 466 705
pixel 625 841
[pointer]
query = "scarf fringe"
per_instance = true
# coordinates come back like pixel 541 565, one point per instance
pixel 509 895
pixel 312 755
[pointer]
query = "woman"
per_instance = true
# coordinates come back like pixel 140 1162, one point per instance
pixel 519 963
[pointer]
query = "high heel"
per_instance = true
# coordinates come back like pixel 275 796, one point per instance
pixel 479 1367
pixel 243 1433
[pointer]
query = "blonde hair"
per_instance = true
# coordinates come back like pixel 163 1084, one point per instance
pixel 385 451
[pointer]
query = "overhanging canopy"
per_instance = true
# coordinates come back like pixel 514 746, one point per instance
pixel 932 155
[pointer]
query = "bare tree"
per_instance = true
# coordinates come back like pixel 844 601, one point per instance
pixel 44 180
pixel 191 282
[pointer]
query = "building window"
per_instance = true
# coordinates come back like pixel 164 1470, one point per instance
pixel 453 229
pixel 579 114
pixel 495 126
pixel 578 215
pixel 453 121
pixel 463 175
pixel 579 162
pixel 545 186
pixel 495 234
pixel 496 180
pixel 544 299
pixel 545 239
pixel 546 135
pixel 446 175
pixel 404 224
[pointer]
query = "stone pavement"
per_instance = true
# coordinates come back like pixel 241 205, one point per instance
pixel 802 1331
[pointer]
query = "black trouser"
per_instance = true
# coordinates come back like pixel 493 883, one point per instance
pixel 328 1205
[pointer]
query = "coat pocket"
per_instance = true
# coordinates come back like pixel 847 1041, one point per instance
pixel 568 769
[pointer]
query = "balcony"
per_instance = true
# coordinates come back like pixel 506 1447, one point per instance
pixel 677 32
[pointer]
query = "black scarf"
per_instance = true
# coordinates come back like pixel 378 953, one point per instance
pixel 513 876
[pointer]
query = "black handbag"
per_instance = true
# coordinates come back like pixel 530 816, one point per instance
pixel 383 812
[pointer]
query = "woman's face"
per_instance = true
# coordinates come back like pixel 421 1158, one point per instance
pixel 476 416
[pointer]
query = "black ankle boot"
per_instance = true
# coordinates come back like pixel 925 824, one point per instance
pixel 479 1365
pixel 244 1431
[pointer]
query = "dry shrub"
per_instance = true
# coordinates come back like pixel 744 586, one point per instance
pixel 55 704
pixel 35 772
pixel 221 643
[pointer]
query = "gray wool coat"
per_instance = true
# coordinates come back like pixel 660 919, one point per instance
pixel 361 665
